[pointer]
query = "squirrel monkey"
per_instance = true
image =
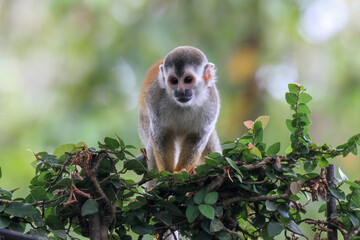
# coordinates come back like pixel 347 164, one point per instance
pixel 179 106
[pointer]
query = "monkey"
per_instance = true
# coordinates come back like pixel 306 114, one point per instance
pixel 178 108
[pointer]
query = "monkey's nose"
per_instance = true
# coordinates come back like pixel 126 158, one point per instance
pixel 183 95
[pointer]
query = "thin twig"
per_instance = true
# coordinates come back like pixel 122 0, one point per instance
pixel 234 233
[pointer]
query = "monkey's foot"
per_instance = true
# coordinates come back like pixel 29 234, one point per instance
pixel 192 170
pixel 143 151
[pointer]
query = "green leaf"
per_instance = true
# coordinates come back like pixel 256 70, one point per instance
pixel 81 145
pixel 223 236
pixel 239 177
pixel 37 232
pixel 233 165
pixel 323 162
pixel 211 198
pixel 135 165
pixel 303 108
pixel 38 193
pixel 136 204
pixel 54 222
pixel 122 144
pixel 257 125
pixel 165 217
pixel 111 143
pixel 172 208
pixel 214 155
pixel 18 209
pixel 4 221
pixel 152 174
pixel 207 210
pixel 110 193
pixel 211 161
pixel 259 221
pixel 216 225
pixel 143 228
pixel 218 211
pixel 89 207
pixel 51 159
pixel 192 212
pixel 293 88
pixel 309 166
pixel 121 155
pixel 203 169
pixel 65 182
pixel 289 125
pixel 304 98
pixel 295 187
pixel 355 200
pixel 337 193
pixel 59 234
pixel 273 149
pixel 322 208
pixel 59 151
pixel 256 152
pixel 270 206
pixel 258 137
pixel 200 196
pixel 38 220
pixel 291 98
pixel 354 220
pixel 353 150
pixel 203 235
pixel 0 173
pixel 295 228
pixel 5 192
pixel 352 184
pixel 283 209
pixel 274 229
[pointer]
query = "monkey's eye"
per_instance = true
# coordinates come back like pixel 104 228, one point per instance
pixel 188 79
pixel 174 81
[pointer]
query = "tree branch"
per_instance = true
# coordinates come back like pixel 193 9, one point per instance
pixel 229 201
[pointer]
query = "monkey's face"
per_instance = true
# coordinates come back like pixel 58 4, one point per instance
pixel 188 85
pixel 182 86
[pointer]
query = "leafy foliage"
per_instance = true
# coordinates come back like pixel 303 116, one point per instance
pixel 248 191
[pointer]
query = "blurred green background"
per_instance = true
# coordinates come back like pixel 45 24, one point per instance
pixel 71 71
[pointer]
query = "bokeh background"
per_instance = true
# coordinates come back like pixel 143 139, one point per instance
pixel 71 71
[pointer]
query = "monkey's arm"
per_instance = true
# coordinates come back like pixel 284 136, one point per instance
pixel 191 149
pixel 163 147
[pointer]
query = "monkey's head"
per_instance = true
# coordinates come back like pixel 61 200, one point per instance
pixel 185 74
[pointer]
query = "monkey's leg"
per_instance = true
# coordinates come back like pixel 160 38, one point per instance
pixel 164 150
pixel 190 152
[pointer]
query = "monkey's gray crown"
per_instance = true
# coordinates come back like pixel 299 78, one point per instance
pixel 184 56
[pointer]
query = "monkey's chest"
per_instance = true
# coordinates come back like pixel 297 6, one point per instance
pixel 183 122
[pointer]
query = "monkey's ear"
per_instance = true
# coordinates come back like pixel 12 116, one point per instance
pixel 209 73
pixel 161 77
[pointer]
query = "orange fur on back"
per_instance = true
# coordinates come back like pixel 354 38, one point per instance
pixel 150 77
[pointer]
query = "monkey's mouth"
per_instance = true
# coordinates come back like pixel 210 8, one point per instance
pixel 183 99
pixel 183 96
